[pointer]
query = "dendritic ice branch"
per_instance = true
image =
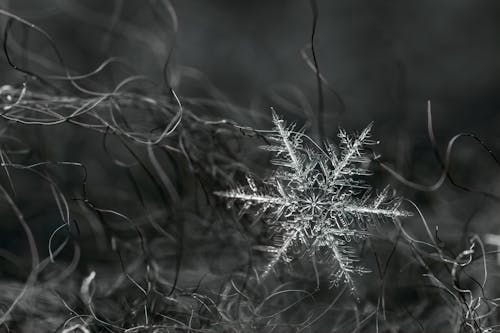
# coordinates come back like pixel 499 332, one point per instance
pixel 317 200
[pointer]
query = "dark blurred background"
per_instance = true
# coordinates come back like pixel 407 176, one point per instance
pixel 385 59
pixel 380 61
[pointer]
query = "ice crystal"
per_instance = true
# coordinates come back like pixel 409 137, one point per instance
pixel 317 199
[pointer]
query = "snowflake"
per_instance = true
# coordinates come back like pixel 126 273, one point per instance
pixel 317 199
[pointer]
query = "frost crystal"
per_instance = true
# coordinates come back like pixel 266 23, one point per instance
pixel 317 200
